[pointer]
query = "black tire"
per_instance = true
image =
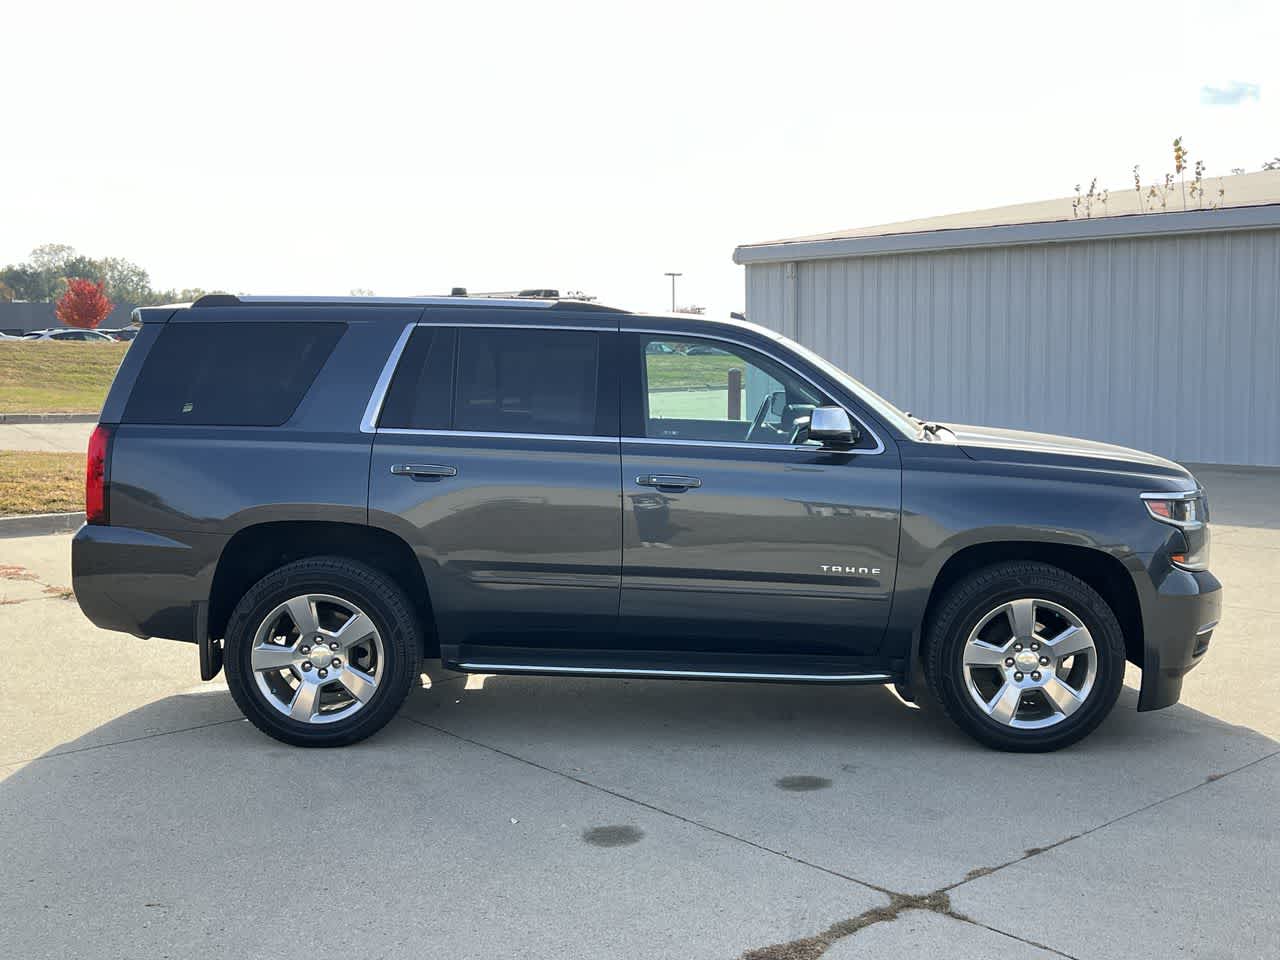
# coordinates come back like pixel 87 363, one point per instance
pixel 962 609
pixel 373 592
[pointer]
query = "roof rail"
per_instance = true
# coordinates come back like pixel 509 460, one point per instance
pixel 527 303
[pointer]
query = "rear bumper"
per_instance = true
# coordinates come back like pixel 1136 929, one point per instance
pixel 1179 622
pixel 142 583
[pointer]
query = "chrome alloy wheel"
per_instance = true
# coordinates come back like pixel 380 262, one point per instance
pixel 1030 663
pixel 317 658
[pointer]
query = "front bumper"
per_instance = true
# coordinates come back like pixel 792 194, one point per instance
pixel 1179 621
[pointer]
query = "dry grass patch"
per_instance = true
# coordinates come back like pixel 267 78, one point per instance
pixel 52 377
pixel 40 482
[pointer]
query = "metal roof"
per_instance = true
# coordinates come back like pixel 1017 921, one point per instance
pixel 1250 201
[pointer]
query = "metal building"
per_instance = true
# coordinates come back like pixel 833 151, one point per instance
pixel 1153 330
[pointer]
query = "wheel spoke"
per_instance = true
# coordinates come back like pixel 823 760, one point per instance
pixel 1064 699
pixel 1070 641
pixel 1004 705
pixel 1022 618
pixel 358 683
pixel 270 656
pixel 358 628
pixel 303 614
pixel 979 653
pixel 306 701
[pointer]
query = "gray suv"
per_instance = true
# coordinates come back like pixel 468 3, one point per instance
pixel 319 493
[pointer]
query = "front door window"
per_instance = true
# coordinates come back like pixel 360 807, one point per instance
pixel 720 392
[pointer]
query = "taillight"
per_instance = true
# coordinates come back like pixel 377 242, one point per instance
pixel 95 476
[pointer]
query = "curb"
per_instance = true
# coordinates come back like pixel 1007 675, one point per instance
pixel 48 418
pixel 38 524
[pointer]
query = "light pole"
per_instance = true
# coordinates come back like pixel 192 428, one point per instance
pixel 673 287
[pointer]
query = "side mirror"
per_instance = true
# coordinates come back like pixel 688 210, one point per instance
pixel 832 427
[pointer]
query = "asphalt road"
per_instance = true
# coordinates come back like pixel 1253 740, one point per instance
pixel 140 818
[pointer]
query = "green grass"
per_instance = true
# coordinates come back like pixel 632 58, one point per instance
pixel 53 377
pixel 40 482
pixel 674 371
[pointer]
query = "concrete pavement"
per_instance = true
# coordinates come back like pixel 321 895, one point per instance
pixel 46 437
pixel 508 816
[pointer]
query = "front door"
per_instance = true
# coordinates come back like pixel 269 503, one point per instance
pixel 497 457
pixel 740 538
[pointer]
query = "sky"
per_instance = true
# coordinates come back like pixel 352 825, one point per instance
pixel 315 148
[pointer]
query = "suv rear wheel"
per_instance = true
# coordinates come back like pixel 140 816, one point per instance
pixel 322 652
pixel 1025 657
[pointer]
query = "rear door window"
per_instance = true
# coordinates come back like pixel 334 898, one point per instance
pixel 230 374
pixel 504 380
pixel 530 381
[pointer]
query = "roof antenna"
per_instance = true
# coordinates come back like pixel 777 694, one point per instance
pixel 458 292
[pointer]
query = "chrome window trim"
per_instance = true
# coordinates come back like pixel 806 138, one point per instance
pixel 368 423
pixel 373 409
pixel 692 674
pixel 482 434
pixel 741 445
pixel 861 451
pixel 518 326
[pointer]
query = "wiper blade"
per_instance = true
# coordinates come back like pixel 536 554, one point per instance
pixel 928 426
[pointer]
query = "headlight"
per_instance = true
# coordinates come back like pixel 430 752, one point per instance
pixel 1190 514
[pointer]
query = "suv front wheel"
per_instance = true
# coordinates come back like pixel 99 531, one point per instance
pixel 322 652
pixel 1024 656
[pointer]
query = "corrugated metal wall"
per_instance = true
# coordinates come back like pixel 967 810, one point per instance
pixel 1169 344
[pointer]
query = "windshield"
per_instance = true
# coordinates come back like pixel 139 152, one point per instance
pixel 882 407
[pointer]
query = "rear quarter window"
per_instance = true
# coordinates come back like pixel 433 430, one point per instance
pixel 230 374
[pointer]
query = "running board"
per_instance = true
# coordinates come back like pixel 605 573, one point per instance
pixel 469 667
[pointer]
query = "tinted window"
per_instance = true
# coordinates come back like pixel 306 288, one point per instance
pixel 718 391
pixel 529 381
pixel 421 391
pixel 230 374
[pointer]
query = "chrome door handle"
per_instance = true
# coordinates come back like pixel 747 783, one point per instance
pixel 436 470
pixel 671 482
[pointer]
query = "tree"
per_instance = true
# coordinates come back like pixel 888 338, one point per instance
pixel 6 293
pixel 52 258
pixel 126 281
pixel 84 305
pixel 26 282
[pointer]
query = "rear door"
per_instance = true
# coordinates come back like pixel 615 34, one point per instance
pixel 497 458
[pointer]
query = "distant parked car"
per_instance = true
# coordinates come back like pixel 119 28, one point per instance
pixel 122 334
pixel 82 335
pixel 701 351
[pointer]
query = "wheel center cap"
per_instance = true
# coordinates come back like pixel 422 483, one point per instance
pixel 1026 661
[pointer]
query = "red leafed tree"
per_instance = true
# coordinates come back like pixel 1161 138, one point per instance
pixel 84 305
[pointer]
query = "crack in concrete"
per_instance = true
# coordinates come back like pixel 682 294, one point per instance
pixel 653 807
pixel 810 948
pixel 18 573
pixel 937 901
pixel 56 753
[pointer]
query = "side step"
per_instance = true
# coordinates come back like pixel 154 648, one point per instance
pixel 607 671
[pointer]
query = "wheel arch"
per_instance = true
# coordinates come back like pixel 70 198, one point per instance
pixel 1100 570
pixel 255 551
